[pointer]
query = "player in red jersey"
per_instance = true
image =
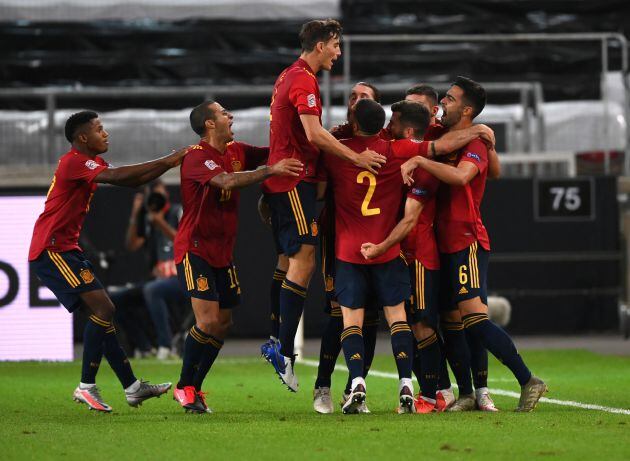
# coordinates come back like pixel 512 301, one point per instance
pixel 369 211
pixel 58 261
pixel 428 96
pixel 330 341
pixel 211 175
pixel 296 132
pixel 421 253
pixel 463 240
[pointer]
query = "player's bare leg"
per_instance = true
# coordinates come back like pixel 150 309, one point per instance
pixel 498 342
pixel 402 348
pixel 354 352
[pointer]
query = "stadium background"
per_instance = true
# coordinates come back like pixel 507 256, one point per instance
pixel 558 101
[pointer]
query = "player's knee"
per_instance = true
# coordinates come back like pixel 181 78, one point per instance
pixel 105 311
pixel 452 316
pixel 422 330
pixel 204 325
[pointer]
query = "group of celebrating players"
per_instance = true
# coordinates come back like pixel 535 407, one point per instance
pixel 400 232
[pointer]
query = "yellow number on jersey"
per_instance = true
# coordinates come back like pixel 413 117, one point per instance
pixel 365 206
pixel 52 184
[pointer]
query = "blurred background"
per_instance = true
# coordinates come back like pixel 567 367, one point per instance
pixel 558 99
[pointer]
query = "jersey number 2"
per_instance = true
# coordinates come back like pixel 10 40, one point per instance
pixel 365 206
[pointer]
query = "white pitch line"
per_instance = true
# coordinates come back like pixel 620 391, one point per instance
pixel 516 395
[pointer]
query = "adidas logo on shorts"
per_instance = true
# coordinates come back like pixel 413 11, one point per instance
pixel 463 291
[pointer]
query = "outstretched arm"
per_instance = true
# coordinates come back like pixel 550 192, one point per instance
pixel 460 175
pixel 141 173
pixel 317 135
pixel 454 140
pixel 237 180
pixel 413 208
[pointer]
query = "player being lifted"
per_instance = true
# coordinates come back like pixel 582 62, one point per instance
pixel 463 240
pixel 296 132
pixel 58 261
pixel 211 175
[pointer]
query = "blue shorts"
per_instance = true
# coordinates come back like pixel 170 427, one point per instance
pixel 464 275
pixel 67 275
pixel 202 281
pixel 422 305
pixel 357 284
pixel 294 218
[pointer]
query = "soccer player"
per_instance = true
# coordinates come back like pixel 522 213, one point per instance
pixel 331 336
pixel 428 96
pixel 369 210
pixel 211 175
pixel 58 261
pixel 296 132
pixel 421 250
pixel 463 240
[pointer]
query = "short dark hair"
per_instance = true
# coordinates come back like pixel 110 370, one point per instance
pixel 474 94
pixel 424 90
pixel 199 115
pixel 369 115
pixel 413 115
pixel 377 93
pixel 76 121
pixel 319 30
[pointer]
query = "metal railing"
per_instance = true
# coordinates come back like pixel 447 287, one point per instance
pixel 605 39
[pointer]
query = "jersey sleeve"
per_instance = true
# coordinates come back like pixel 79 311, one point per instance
pixel 425 186
pixel 254 156
pixel 202 170
pixel 476 153
pixel 407 148
pixel 76 168
pixel 303 95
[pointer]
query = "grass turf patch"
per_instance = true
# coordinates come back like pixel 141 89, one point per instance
pixel 257 418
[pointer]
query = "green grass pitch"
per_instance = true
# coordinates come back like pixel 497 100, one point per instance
pixel 256 418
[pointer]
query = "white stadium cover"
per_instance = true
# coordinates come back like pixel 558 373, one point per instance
pixel 167 10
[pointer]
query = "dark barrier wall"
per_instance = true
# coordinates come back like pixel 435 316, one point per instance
pixel 555 243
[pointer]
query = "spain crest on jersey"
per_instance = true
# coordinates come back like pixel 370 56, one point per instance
pixel 236 165
pixel 87 276
pixel 202 283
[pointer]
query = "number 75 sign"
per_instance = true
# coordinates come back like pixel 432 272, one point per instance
pixel 568 199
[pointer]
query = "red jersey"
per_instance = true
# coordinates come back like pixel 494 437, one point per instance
pixel 458 217
pixel 424 247
pixel 67 202
pixel 210 220
pixel 295 92
pixel 367 205
pixel 434 131
pixel 409 243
